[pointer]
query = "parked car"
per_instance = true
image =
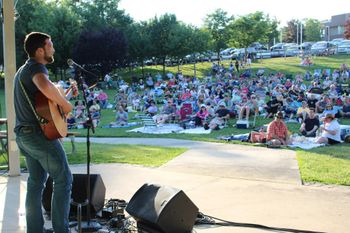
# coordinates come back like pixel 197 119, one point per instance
pixel 323 48
pixel 150 62
pixel 337 41
pixel 306 45
pixel 277 46
pixel 239 53
pixel 263 54
pixel 292 50
pixel 344 47
pixel 258 46
pixel 227 53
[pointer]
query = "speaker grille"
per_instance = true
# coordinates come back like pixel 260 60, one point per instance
pixel 163 209
pixel 79 188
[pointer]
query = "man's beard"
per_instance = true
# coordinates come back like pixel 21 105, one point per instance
pixel 49 59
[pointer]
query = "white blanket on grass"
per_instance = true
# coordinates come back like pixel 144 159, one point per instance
pixel 305 143
pixel 169 128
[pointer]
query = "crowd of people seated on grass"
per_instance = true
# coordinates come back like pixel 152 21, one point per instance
pixel 225 93
pixel 96 100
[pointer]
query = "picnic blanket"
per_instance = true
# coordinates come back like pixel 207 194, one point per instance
pixel 169 128
pixel 305 143
pixel 238 137
pixel 198 130
pixel 113 125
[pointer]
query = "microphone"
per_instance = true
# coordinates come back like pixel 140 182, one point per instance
pixel 70 62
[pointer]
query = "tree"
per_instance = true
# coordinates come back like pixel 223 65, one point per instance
pixel 27 21
pixel 217 25
pixel 96 14
pixel 312 30
pixel 55 19
pixel 164 40
pixel 138 44
pixel 290 32
pixel 101 51
pixel 255 27
pixel 347 29
pixel 63 37
pixel 195 41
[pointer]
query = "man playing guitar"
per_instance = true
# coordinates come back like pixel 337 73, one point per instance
pixel 43 156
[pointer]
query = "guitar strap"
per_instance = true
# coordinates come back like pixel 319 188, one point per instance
pixel 40 119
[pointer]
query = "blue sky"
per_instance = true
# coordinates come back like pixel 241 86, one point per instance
pixel 194 11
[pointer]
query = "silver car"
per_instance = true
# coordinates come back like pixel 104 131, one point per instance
pixel 344 47
pixel 323 48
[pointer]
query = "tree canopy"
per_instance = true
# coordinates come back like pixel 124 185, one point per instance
pixel 255 27
pixel 97 33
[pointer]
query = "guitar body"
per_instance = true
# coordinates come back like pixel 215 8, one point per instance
pixel 57 124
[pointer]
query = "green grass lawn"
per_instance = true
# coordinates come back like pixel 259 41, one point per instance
pixel 288 65
pixel 329 164
pixel 151 156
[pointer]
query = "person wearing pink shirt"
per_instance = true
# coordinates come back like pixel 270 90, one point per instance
pixel 201 115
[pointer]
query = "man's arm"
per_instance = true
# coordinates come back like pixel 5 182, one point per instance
pixel 333 132
pixel 313 130
pixel 43 83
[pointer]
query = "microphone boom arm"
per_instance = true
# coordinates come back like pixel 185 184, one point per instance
pixel 72 63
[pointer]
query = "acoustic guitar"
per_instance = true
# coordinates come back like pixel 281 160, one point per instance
pixel 56 126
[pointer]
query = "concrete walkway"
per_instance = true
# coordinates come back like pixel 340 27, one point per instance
pixel 233 182
pixel 223 160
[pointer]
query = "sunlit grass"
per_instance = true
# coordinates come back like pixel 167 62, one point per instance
pixel 151 156
pixel 329 165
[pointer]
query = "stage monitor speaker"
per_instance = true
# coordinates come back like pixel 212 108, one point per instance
pixel 79 188
pixel 162 209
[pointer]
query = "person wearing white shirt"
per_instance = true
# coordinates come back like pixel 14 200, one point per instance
pixel 330 131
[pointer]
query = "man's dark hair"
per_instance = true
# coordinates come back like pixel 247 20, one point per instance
pixel 33 41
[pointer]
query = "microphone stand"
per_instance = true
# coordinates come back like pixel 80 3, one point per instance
pixel 89 225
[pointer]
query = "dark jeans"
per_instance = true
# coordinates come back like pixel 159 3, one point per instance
pixel 45 157
pixel 310 135
pixel 198 121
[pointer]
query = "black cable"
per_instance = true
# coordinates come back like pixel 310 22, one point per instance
pixel 209 220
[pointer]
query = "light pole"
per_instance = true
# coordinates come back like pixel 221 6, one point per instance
pixel 297 33
pixel 327 31
pixel 301 33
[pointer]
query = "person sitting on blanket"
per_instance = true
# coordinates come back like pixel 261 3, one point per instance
pixel 322 103
pixel 121 117
pixel 71 122
pixel 250 106
pixel 277 131
pixel 345 111
pixel 79 110
pixel 222 114
pixel 168 112
pixel 152 109
pixel 310 125
pixel 303 112
pixel 201 115
pixel 330 131
pixel 274 105
pixel 95 116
